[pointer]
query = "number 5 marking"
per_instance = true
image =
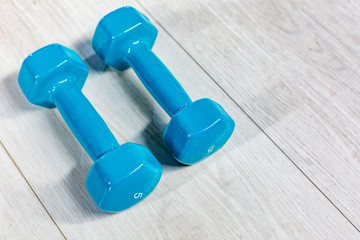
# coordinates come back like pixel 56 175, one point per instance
pixel 138 195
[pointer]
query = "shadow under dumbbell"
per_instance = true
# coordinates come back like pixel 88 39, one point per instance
pixel 82 205
pixel 153 139
pixel 83 48
pixel 17 98
pixel 152 134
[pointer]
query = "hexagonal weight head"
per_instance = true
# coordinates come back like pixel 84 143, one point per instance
pixel 197 131
pixel 117 31
pixel 44 69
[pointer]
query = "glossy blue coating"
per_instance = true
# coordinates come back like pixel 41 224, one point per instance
pixel 53 77
pixel 124 38
pixel 117 31
pixel 123 177
pixel 157 79
pixel 47 68
pixel 198 131
pixel 83 120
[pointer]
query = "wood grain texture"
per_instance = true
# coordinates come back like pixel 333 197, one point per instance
pixel 248 190
pixel 21 214
pixel 293 67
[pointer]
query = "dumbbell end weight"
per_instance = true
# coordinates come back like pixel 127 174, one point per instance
pixel 117 31
pixel 47 68
pixel 123 177
pixel 198 131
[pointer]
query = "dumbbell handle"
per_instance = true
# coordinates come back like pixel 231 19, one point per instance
pixel 157 79
pixel 83 120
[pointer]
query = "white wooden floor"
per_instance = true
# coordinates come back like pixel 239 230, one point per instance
pixel 286 71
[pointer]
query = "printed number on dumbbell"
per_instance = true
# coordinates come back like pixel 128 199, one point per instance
pixel 138 195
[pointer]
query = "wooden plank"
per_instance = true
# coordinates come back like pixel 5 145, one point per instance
pixel 248 190
pixel 339 20
pixel 21 214
pixel 292 71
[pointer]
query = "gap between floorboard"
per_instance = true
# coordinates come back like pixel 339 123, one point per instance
pixel 13 161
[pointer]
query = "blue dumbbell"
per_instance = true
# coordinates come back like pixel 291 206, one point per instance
pixel 122 175
pixel 124 38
